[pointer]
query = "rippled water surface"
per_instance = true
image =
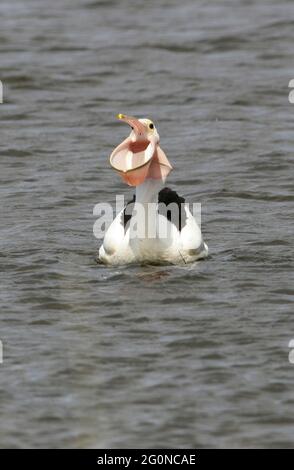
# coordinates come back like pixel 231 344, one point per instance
pixel 144 356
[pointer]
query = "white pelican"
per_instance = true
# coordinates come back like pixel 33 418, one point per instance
pixel 156 226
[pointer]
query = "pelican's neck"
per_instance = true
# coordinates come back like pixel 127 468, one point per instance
pixel 146 208
pixel 148 191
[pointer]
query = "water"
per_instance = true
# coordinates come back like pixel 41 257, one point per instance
pixel 193 356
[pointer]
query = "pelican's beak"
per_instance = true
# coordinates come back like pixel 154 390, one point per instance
pixel 139 156
pixel 138 127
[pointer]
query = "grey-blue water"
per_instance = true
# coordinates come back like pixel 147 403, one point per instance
pixel 145 356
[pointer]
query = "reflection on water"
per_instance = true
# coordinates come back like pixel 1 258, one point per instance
pixel 155 356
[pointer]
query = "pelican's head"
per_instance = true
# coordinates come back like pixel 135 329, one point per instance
pixel 139 156
pixel 142 129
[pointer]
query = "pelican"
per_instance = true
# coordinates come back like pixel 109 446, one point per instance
pixel 157 226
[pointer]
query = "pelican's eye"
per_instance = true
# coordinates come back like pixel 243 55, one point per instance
pixel 151 125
